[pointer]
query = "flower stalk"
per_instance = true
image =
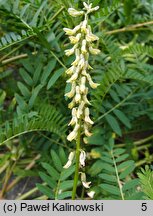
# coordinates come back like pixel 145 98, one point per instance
pixel 82 38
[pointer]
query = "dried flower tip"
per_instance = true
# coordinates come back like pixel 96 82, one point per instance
pixel 74 12
pixel 82 158
pixel 72 92
pixel 70 160
pixel 74 133
pixel 87 118
pixel 83 48
pixel 82 86
pixel 94 51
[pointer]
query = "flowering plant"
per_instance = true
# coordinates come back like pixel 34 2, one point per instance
pixel 82 39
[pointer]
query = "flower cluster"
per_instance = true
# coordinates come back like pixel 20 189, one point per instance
pixel 82 38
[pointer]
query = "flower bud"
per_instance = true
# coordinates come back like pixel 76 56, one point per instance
pixel 82 61
pixel 74 117
pixel 74 133
pixel 74 12
pixel 80 109
pixel 73 78
pixel 94 9
pixel 90 37
pixel 71 70
pixel 87 118
pixel 71 104
pixel 84 26
pixel 83 48
pixel 82 158
pixel 94 51
pixel 68 164
pixel 72 92
pixel 86 131
pixel 91 194
pixel 74 39
pixel 86 6
pixel 70 160
pixel 85 99
pixel 82 86
pixel 91 83
pixel 77 54
pixel 86 184
pixel 77 96
pixel 83 180
pixel 69 31
pixel 69 51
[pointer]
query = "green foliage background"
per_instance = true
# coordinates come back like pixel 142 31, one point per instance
pixel 33 109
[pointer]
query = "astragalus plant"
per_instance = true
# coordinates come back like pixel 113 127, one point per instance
pixel 82 38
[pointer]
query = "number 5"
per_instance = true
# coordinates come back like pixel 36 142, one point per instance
pixel 144 207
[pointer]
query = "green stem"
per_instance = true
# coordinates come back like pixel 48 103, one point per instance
pixel 117 176
pixel 76 176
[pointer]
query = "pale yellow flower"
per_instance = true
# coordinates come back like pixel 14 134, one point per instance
pixel 74 133
pixel 74 12
pixel 70 160
pixel 82 158
pixel 94 51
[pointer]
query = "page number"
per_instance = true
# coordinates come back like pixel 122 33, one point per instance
pixel 144 206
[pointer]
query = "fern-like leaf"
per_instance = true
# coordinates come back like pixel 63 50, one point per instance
pixel 46 118
pixel 146 180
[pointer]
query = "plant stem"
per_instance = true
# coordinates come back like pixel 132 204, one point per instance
pixel 14 58
pixel 117 176
pixel 130 28
pixel 76 165
pixel 7 177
